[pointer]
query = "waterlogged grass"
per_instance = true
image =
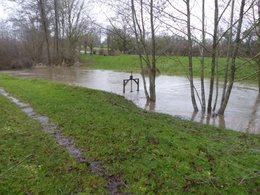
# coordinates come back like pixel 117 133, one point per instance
pixel 154 153
pixel 171 65
pixel 31 162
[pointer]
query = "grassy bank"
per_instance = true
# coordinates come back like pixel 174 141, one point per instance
pixel 153 153
pixel 31 162
pixel 172 65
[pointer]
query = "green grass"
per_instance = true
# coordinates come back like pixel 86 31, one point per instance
pixel 121 62
pixel 171 65
pixel 31 162
pixel 154 153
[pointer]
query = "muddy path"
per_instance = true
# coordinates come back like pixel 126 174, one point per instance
pixel 114 183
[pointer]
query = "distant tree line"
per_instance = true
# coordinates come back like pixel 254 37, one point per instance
pixel 43 31
pixel 122 39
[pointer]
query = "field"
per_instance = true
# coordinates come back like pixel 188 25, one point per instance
pixel 153 153
pixel 171 65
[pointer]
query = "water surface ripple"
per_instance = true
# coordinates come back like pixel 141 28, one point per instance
pixel 173 95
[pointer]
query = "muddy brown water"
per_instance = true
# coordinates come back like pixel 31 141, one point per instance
pixel 173 95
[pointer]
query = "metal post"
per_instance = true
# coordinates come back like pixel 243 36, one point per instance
pixel 131 79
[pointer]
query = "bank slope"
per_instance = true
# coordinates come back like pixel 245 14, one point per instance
pixel 154 153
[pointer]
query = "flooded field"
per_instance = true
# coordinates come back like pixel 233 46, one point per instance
pixel 173 95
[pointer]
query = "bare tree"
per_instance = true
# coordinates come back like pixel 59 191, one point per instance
pixel 258 35
pixel 44 23
pixel 214 55
pixel 60 23
pixel 203 98
pixel 146 54
pixel 233 59
pixel 139 32
pixel 57 34
pixel 229 49
pixel 91 39
pixel 152 70
pixel 190 55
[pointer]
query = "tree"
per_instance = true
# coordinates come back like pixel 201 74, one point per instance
pixel 140 31
pixel 119 39
pixel 91 39
pixel 57 33
pixel 229 50
pixel 203 98
pixel 73 26
pixel 60 23
pixel 233 60
pixel 214 55
pixel 258 35
pixel 44 23
pixel 190 55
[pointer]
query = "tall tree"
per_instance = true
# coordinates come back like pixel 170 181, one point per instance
pixel 258 35
pixel 233 59
pixel 146 53
pixel 203 98
pixel 152 70
pixel 214 55
pixel 57 26
pixel 44 22
pixel 190 55
pixel 140 42
pixel 229 50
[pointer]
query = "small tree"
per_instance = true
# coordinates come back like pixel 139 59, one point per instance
pixel 146 53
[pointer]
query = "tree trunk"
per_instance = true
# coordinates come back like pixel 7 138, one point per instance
pixel 233 60
pixel 85 45
pixel 193 100
pixel 228 52
pixel 140 36
pixel 257 61
pixel 213 61
pixel 258 46
pixel 203 98
pixel 56 10
pixel 217 85
pixel 153 65
pixel 124 40
pixel 143 78
pixel 62 31
pixel 139 39
pixel 45 29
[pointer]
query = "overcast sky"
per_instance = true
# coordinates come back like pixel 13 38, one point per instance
pixel 2 12
pixel 99 11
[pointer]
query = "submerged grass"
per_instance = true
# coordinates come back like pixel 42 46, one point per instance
pixel 172 65
pixel 154 153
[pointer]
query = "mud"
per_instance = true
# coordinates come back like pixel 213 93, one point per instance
pixel 114 182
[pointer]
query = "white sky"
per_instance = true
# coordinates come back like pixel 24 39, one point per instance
pixel 101 11
pixel 3 14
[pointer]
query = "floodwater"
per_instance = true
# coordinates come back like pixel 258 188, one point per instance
pixel 173 95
